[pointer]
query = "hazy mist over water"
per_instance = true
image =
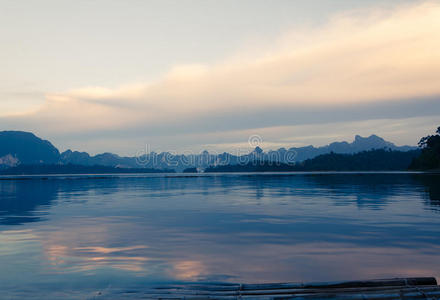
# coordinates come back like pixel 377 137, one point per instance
pixel 79 236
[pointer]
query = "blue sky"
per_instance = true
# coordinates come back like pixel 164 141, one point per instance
pixel 191 75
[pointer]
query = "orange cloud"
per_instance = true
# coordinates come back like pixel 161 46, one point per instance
pixel 356 58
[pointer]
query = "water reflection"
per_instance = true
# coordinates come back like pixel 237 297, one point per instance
pixel 91 258
pixel 21 200
pixel 129 232
pixel 431 186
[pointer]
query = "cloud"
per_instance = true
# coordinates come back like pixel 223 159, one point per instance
pixel 362 60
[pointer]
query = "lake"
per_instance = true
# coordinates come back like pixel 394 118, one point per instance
pixel 74 236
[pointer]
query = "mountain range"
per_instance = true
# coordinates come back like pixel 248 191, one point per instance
pixel 371 160
pixel 18 147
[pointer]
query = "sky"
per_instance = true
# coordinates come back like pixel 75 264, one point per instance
pixel 183 76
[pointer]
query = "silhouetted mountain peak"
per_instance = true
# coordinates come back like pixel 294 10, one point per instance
pixel 371 142
pixel 358 138
pixel 373 137
pixel 75 157
pixel 258 150
pixel 108 155
pixel 25 147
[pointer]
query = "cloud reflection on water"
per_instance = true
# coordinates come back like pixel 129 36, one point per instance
pixel 131 231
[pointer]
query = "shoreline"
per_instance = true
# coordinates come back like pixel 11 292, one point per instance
pixel 201 175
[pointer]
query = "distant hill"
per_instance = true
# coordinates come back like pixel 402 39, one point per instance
pixel 74 169
pixel 17 147
pixel 430 156
pixel 373 160
pixel 104 159
pixel 190 170
pixel 359 144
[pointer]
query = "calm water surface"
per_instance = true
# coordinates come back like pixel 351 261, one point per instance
pixel 74 236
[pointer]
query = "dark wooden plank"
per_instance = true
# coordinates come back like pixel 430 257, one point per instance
pixel 359 283
pixel 379 293
pixel 384 289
